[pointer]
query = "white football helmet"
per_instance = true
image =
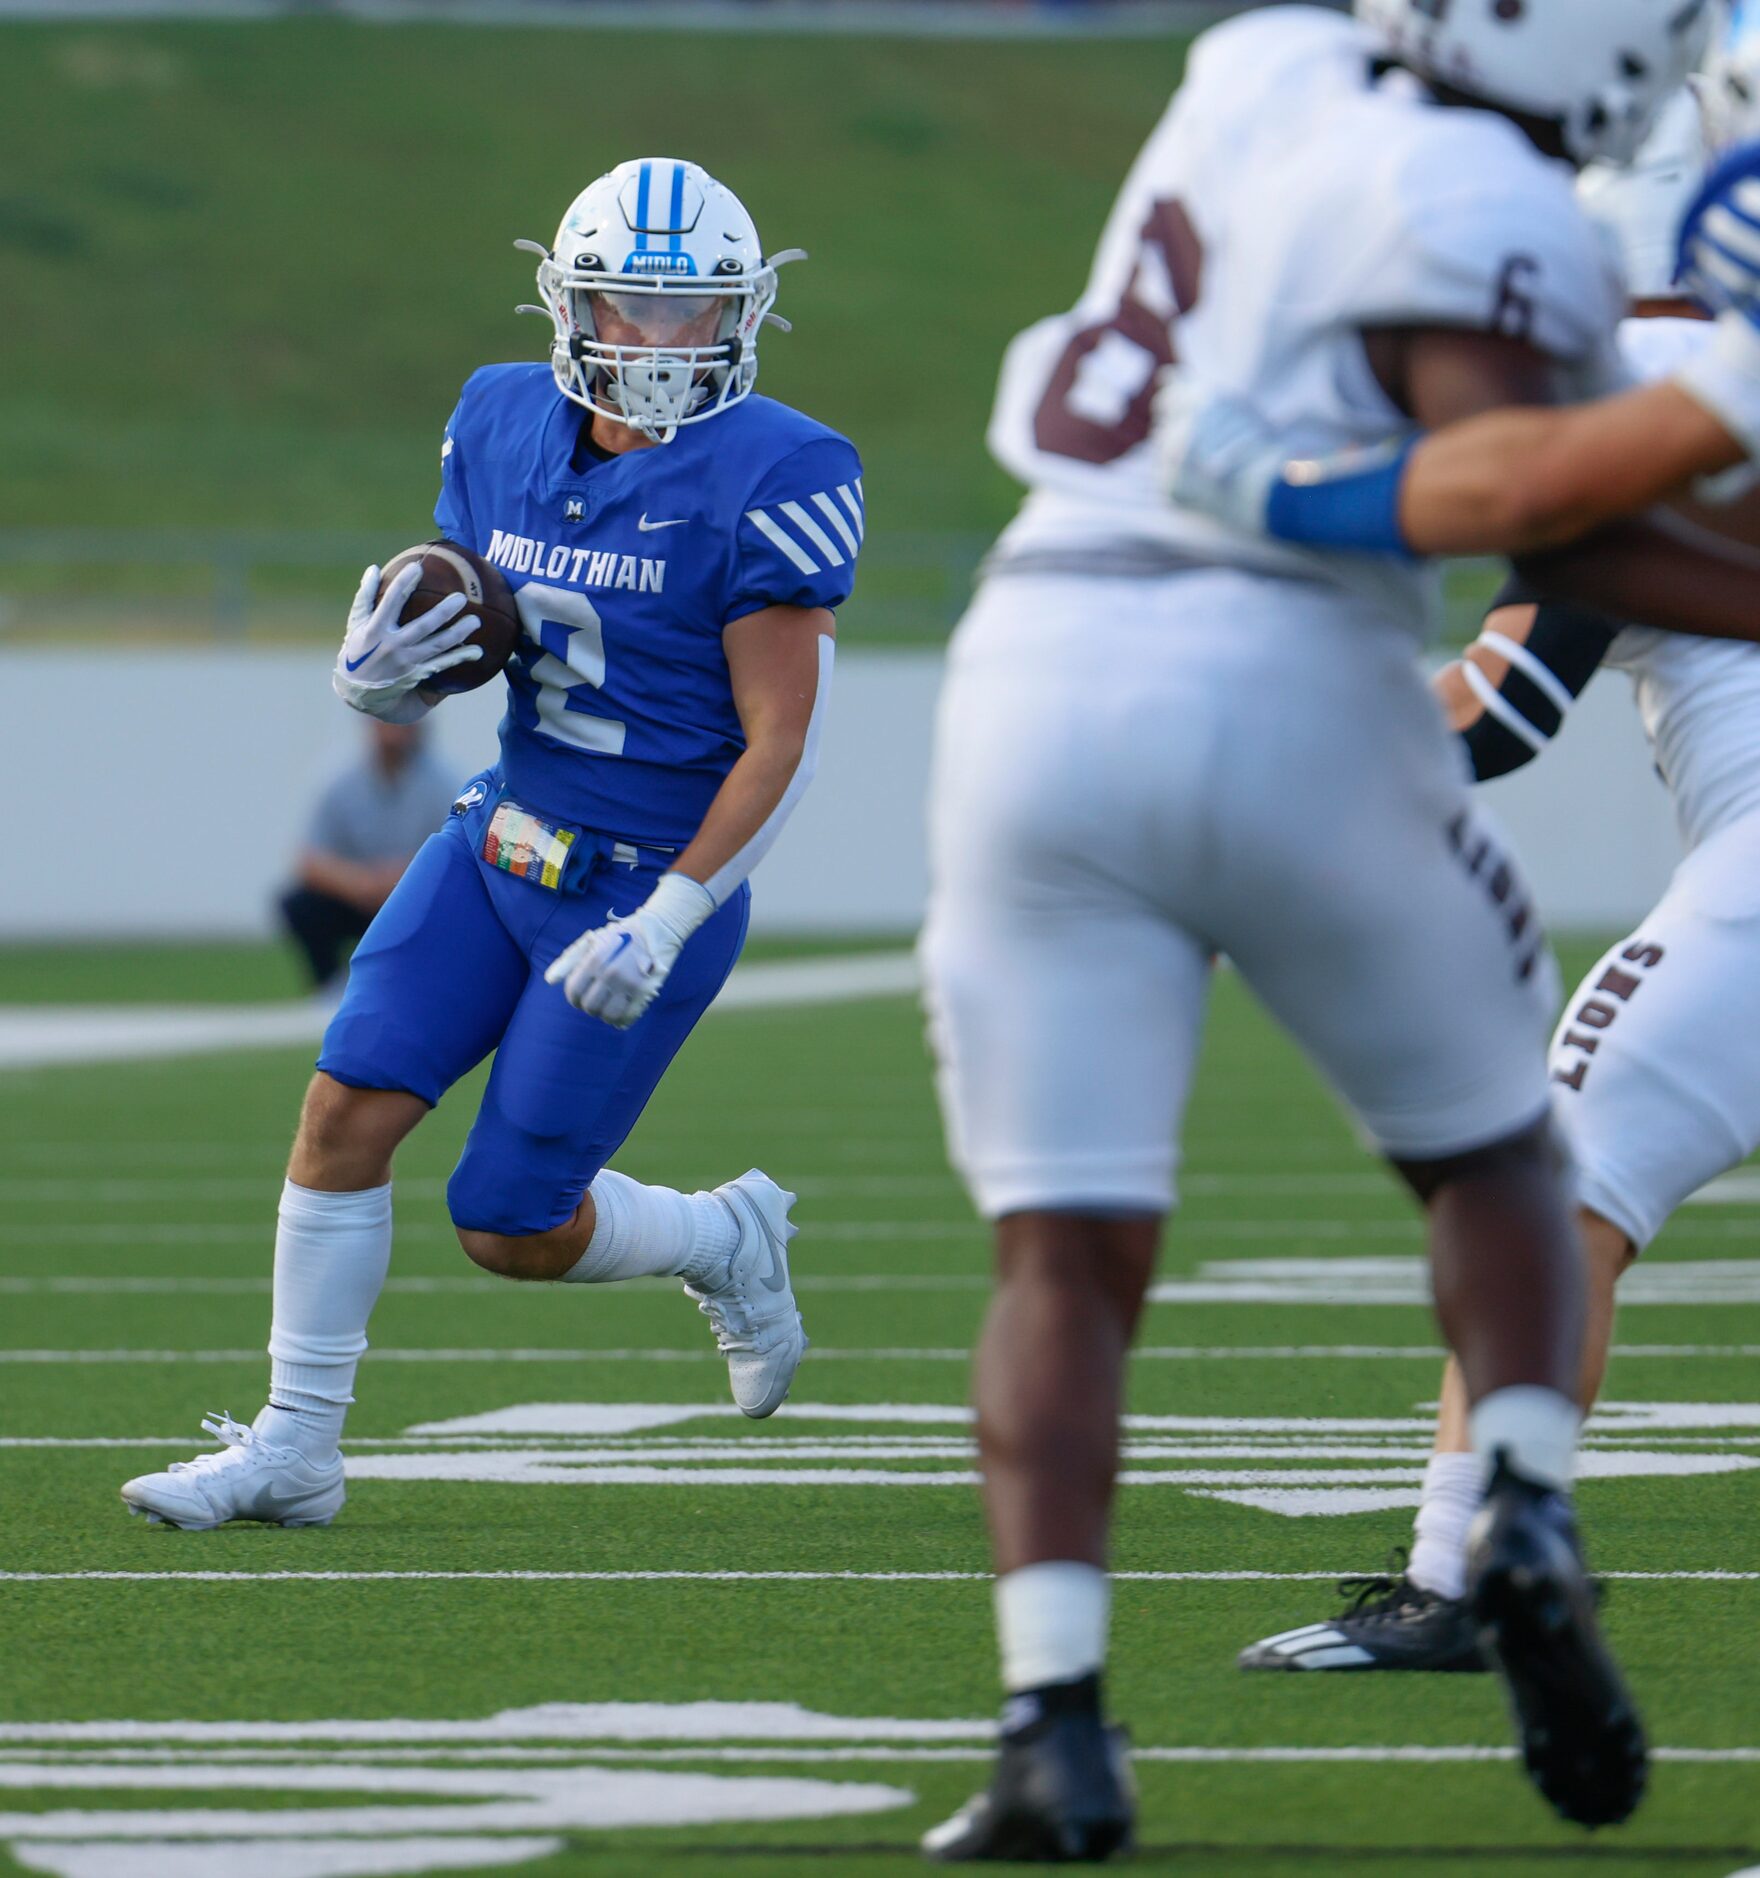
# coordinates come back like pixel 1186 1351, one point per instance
pixel 656 286
pixel 1599 69
pixel 1641 203
pixel 1731 91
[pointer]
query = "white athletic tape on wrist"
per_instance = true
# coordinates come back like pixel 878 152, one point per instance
pixel 680 904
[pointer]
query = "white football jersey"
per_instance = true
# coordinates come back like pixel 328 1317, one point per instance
pixel 1699 698
pixel 1288 199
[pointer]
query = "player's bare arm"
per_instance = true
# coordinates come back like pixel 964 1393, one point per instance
pixel 779 669
pixel 1664 569
pixel 1525 480
pixel 364 884
pixel 1516 481
pixel 779 660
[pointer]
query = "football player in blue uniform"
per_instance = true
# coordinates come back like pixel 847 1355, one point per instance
pixel 677 548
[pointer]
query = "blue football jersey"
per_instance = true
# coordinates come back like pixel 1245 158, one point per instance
pixel 620 712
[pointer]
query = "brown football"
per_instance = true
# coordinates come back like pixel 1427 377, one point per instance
pixel 449 568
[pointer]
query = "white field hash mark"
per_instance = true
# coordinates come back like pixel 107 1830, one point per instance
pixel 1148 1353
pixel 421 1795
pixel 1293 1466
pixel 732 1577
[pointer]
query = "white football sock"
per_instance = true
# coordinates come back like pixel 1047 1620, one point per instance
pixel 1454 1487
pixel 1051 1622
pixel 653 1232
pixel 332 1251
pixel 1535 1428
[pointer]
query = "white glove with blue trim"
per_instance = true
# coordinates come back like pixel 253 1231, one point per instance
pixel 382 662
pixel 1219 457
pixel 1719 260
pixel 615 971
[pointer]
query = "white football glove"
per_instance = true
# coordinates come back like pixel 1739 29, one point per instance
pixel 615 971
pixel 381 663
pixel 1218 455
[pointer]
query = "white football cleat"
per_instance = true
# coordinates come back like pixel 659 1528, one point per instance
pixel 757 1323
pixel 247 1479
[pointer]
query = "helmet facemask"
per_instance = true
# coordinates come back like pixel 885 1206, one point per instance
pixel 651 354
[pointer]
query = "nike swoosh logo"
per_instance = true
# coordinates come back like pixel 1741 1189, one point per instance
pixel 776 1278
pixel 354 665
pixel 647 527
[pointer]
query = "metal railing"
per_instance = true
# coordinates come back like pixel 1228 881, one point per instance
pixel 214 584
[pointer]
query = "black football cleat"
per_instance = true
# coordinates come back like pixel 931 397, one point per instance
pixel 1581 1737
pixel 1389 1623
pixel 1061 1794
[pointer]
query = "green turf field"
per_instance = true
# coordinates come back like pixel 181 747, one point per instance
pixel 248 265
pixel 136 1202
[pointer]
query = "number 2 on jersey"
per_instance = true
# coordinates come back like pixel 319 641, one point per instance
pixel 566 627
pixel 1088 420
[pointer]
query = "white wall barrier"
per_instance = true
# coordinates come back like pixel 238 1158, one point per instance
pixel 162 793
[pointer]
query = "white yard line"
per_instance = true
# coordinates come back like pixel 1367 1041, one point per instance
pixel 1250 1353
pixel 746 1577
pixel 760 1752
pixel 40 1036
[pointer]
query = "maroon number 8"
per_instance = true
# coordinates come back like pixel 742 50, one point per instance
pixel 1061 431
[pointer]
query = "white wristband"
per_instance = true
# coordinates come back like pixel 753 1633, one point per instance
pixel 679 904
pixel 1724 377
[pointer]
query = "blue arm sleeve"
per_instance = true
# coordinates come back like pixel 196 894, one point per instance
pixel 1349 502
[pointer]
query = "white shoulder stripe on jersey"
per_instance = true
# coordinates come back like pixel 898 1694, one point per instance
pixel 854 507
pixel 813 532
pixel 783 540
pixel 829 509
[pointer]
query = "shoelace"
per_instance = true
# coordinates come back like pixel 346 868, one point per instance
pixel 731 1319
pixel 222 1427
pixel 1378 1594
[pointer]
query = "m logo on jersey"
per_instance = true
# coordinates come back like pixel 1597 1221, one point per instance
pixel 580 567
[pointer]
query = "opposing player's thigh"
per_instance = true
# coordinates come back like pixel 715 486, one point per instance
pixel 566 1089
pixel 1065 1028
pixel 432 985
pixel 1655 1078
pixel 1394 938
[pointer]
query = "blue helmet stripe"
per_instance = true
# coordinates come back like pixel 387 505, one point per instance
pixel 675 219
pixel 645 178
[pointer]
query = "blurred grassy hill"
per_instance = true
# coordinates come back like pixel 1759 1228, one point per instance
pixel 245 267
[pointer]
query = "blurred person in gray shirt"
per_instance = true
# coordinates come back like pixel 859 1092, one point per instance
pixel 363 833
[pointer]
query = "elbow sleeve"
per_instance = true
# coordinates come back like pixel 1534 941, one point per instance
pixel 1545 675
